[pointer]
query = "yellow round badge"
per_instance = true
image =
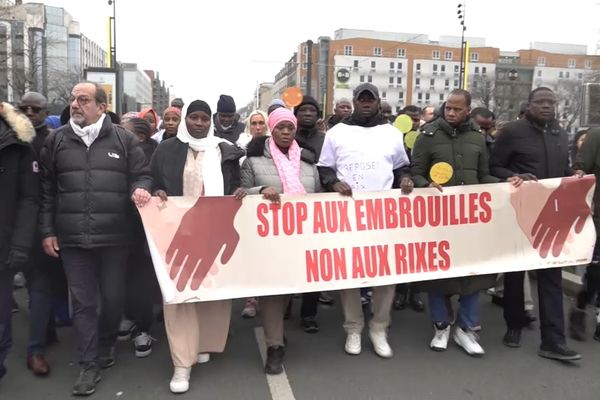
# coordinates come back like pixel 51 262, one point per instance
pixel 441 172
pixel 410 138
pixel 403 123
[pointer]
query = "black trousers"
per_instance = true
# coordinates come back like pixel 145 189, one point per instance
pixel 310 303
pixel 96 278
pixel 139 303
pixel 552 319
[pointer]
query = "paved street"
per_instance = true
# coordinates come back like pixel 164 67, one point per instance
pixel 318 368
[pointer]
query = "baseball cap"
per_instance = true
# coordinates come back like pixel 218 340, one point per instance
pixel 366 87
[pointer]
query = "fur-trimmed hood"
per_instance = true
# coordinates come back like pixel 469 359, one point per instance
pixel 14 126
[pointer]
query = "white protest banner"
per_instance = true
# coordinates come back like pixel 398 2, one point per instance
pixel 215 248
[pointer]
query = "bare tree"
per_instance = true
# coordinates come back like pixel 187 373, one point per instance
pixel 570 96
pixel 483 90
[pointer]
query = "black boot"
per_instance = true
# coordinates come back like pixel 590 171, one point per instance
pixel 577 324
pixel 415 302
pixel 274 364
pixel 401 299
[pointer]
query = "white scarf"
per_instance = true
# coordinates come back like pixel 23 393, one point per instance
pixel 212 174
pixel 89 133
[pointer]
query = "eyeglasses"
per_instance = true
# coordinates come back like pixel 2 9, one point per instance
pixel 81 100
pixel 35 109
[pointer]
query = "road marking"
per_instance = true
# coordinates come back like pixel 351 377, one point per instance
pixel 279 385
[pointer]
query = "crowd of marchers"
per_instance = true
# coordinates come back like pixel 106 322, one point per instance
pixel 70 186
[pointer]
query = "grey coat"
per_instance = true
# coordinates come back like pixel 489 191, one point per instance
pixel 259 171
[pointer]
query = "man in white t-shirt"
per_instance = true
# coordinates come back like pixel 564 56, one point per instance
pixel 363 153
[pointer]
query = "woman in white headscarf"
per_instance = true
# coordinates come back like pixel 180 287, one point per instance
pixel 196 163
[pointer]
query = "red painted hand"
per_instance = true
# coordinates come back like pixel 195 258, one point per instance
pixel 565 207
pixel 204 230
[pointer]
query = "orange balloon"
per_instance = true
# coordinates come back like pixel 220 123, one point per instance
pixel 292 96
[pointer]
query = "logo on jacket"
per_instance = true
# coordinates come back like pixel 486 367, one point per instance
pixel 114 155
pixel 35 167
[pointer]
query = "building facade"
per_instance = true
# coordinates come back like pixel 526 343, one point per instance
pixel 160 92
pixel 41 50
pixel 411 69
pixel 137 88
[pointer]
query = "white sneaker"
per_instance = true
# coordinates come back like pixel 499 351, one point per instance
pixel 380 344
pixel 468 340
pixel 353 344
pixel 203 358
pixel 180 382
pixel 126 328
pixel 143 344
pixel 249 310
pixel 440 339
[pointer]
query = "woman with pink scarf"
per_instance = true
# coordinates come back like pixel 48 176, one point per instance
pixel 275 167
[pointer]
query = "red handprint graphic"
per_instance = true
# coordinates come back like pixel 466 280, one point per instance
pixel 566 206
pixel 204 230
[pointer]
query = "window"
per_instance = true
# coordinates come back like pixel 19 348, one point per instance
pixel 443 68
pixel 420 96
pixel 418 67
pixel 401 53
pixel 355 64
pixel 304 79
pixel 456 83
pixel 435 67
pixel 348 50
pixel 399 66
pixel 392 64
pixel 561 75
pixel 426 96
pixel 476 70
pixel 304 49
pixel 541 61
pixel 391 80
pixel 539 73
pixel 448 55
pixel 441 96
pixel 474 85
pixel 362 78
pixel 432 82
pixel 456 68
pixel 369 79
pixel 399 80
pixel 572 63
pixel 373 65
pixel 579 75
pixel 567 74
pixel 304 65
pixel 435 54
pixel 483 70
pixel 401 95
pixel 377 51
pixel 383 94
pixel 588 64
pixel 417 81
pixel 447 83
pixel 474 57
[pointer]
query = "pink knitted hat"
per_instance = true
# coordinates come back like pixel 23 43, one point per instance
pixel 279 115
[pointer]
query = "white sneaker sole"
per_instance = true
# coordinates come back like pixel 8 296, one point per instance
pixel 472 354
pixel 179 387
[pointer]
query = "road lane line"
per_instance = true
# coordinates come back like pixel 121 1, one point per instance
pixel 279 385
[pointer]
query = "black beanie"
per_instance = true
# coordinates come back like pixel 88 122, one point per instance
pixel 198 105
pixel 307 100
pixel 226 104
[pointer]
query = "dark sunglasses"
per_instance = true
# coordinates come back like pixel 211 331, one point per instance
pixel 35 109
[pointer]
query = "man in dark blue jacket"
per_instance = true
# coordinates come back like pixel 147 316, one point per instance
pixel 90 170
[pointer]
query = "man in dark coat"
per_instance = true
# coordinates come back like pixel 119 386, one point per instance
pixel 45 277
pixel 453 138
pixel 18 210
pixel 535 147
pixel 90 170
pixel 227 121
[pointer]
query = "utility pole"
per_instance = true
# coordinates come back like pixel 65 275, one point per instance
pixel 309 46
pixel 462 13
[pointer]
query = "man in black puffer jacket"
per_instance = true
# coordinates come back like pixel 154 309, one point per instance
pixel 90 170
pixel 18 209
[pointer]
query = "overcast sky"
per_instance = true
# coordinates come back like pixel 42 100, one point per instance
pixel 205 48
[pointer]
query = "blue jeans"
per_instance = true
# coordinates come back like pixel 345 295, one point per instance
pixel 6 290
pixel 468 311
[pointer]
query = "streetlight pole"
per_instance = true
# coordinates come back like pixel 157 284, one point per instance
pixel 462 10
pixel 113 58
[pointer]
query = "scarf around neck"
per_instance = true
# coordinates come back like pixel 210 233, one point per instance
pixel 89 133
pixel 288 169
pixel 212 174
